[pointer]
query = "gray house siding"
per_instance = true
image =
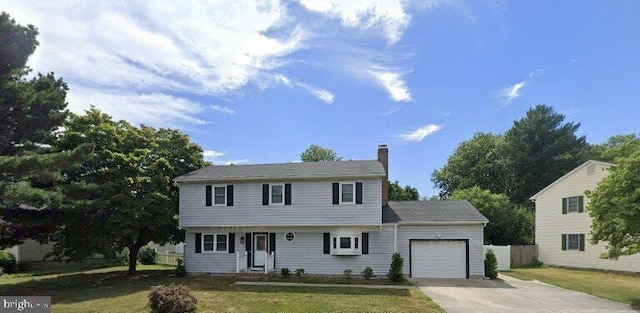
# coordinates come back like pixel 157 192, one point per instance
pixel 306 251
pixel 211 262
pixel 474 233
pixel 311 205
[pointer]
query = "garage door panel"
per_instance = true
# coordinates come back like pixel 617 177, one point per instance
pixel 439 258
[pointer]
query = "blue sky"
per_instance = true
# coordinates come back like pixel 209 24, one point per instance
pixel 258 82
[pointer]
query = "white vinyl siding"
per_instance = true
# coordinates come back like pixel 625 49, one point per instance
pixel 551 224
pixel 312 206
pixel 209 262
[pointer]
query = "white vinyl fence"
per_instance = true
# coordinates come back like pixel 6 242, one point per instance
pixel 503 254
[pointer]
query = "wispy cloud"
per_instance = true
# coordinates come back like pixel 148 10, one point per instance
pixel 215 157
pixel 229 162
pixel 421 133
pixel 320 93
pixel 574 61
pixel 394 84
pixel 212 154
pixel 222 109
pixel 511 93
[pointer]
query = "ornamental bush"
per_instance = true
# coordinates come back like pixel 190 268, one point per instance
pixel 147 256
pixel 395 270
pixel 285 272
pixel 491 265
pixel 299 272
pixel 181 270
pixel 172 299
pixel 347 273
pixel 7 262
pixel 367 273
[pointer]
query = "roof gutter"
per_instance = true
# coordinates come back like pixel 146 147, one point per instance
pixel 270 178
pixel 444 223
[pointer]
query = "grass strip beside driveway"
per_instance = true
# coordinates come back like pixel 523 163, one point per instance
pixel 621 287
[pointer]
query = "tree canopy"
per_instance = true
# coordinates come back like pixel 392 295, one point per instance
pixel 614 206
pixel 130 196
pixel 508 223
pixel 317 153
pixel 399 193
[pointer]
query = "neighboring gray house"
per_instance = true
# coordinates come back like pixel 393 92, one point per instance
pixel 324 217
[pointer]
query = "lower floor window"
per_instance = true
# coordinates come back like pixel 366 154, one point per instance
pixel 345 244
pixel 214 242
pixel 573 242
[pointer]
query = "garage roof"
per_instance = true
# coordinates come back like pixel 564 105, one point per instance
pixel 299 170
pixel 431 211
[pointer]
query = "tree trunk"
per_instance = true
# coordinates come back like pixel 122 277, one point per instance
pixel 133 260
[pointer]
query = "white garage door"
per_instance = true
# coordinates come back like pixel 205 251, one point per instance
pixel 439 258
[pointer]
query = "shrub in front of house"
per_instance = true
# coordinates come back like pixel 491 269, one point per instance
pixel 285 272
pixel 347 273
pixel 395 270
pixel 181 270
pixel 172 299
pixel 367 273
pixel 7 262
pixel 491 265
pixel 299 272
pixel 147 256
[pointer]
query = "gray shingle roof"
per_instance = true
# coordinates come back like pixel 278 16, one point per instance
pixel 431 211
pixel 368 168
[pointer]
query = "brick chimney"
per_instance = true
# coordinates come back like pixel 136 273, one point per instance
pixel 383 157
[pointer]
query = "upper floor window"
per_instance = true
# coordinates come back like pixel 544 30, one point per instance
pixel 220 195
pixel 277 194
pixel 347 192
pixel 214 242
pixel 573 204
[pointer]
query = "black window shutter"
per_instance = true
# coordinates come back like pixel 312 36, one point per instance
pixel 247 247
pixel 287 194
pixel 327 239
pixel 232 243
pixel 208 195
pixel 359 193
pixel 336 193
pixel 365 243
pixel 581 204
pixel 198 242
pixel 229 195
pixel 265 194
pixel 564 242
pixel 564 205
pixel 581 241
pixel 272 242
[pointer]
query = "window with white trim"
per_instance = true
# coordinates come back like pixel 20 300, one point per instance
pixel 215 242
pixel 345 244
pixel 276 194
pixel 573 204
pixel 347 192
pixel 219 195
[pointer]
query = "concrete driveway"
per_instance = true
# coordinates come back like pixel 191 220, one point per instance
pixel 511 295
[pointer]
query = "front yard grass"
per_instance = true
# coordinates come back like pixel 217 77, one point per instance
pixel 110 290
pixel 621 287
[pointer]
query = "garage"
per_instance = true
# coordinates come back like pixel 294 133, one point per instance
pixel 439 258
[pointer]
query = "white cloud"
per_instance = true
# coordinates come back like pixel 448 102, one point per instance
pixel 394 84
pixel 387 15
pixel 222 109
pixel 511 93
pixel 421 133
pixel 229 162
pixel 320 93
pixel 212 154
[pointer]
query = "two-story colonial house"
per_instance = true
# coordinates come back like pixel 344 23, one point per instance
pixel 563 223
pixel 323 217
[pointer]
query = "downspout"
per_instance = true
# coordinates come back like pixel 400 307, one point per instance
pixel 395 238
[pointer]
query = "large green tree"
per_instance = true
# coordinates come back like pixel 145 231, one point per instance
pixel 479 161
pixel 399 193
pixel 540 148
pixel 508 223
pixel 614 206
pixel 131 198
pixel 616 147
pixel 317 153
pixel 32 186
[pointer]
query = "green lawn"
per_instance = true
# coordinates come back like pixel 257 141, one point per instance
pixel 619 287
pixel 110 290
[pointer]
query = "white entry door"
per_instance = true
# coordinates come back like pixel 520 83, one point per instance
pixel 439 259
pixel 259 249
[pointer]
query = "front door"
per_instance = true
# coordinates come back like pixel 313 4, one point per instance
pixel 259 249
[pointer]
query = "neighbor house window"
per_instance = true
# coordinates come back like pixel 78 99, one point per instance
pixel 277 194
pixel 220 195
pixel 345 244
pixel 573 204
pixel 347 192
pixel 573 242
pixel 214 242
